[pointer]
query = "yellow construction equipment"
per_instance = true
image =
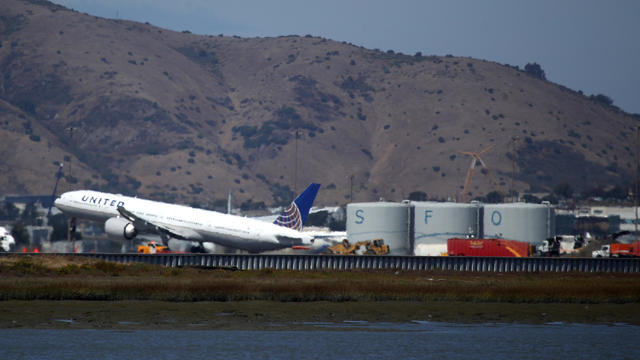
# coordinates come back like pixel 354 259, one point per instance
pixel 152 248
pixel 367 247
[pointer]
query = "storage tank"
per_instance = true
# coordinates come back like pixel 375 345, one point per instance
pixel 381 220
pixel 519 221
pixel 436 222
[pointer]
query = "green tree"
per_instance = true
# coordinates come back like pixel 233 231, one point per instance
pixel 29 215
pixel 551 199
pixel 602 99
pixel 594 192
pixel 8 211
pixel 528 198
pixel 338 225
pixel 535 70
pixel 60 226
pixel 319 218
pixel 563 190
pixel 418 196
pixel 494 197
pixel 617 192
pixel 20 234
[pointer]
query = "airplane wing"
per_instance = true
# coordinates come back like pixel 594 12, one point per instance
pixel 144 225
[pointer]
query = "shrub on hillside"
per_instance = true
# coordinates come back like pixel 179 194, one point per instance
pixel 418 196
pixel 602 99
pixel 535 70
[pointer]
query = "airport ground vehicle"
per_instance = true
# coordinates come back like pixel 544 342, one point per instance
pixel 153 248
pixel 7 242
pixel 368 247
pixel 618 250
pixel 488 247
pixel 549 247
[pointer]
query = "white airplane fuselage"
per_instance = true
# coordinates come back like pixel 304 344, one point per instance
pixel 199 225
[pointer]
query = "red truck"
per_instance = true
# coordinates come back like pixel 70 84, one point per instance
pixel 635 249
pixel 618 250
pixel 488 247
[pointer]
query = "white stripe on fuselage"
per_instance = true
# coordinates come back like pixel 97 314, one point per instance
pixel 224 229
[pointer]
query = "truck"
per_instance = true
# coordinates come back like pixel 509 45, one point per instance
pixel 549 247
pixel 152 248
pixel 618 250
pixel 366 247
pixel 488 247
pixel 7 242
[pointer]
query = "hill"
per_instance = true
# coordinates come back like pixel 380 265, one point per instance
pixel 137 109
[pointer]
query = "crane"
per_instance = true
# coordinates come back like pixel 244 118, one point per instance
pixel 475 159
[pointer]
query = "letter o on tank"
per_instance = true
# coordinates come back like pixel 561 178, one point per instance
pixel 496 218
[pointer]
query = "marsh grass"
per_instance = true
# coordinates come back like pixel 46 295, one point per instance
pixel 40 278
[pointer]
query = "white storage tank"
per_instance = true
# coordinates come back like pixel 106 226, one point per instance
pixel 519 221
pixel 436 222
pixel 381 220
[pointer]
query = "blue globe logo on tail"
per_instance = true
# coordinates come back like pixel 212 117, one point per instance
pixel 290 217
pixel 295 215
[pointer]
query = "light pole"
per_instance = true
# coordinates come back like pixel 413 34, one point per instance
pixel 351 188
pixel 513 169
pixel 295 166
pixel 635 192
pixel 70 155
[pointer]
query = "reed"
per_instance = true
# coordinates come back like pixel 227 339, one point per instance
pixel 39 278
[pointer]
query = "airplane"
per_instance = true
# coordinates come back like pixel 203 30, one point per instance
pixel 125 217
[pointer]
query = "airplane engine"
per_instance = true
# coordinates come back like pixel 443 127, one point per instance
pixel 119 227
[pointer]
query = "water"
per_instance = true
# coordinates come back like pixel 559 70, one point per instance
pixel 349 340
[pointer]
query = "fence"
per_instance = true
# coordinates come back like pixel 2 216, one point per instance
pixel 342 262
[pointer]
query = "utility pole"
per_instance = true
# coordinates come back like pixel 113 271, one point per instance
pixel 351 188
pixel 513 169
pixel 295 166
pixel 635 192
pixel 70 156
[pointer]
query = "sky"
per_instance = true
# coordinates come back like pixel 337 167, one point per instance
pixel 587 45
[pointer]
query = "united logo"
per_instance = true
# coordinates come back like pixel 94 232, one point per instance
pixel 290 218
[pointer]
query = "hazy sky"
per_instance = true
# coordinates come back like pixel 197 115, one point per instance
pixel 587 45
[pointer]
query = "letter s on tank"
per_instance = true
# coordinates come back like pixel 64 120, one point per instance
pixel 359 216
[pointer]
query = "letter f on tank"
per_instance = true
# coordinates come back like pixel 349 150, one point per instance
pixel 427 215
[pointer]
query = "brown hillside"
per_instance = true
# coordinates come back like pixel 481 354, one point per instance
pixel 142 110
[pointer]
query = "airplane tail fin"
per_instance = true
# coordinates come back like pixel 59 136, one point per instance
pixel 295 214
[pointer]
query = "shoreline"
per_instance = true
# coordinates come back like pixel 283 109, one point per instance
pixel 71 292
pixel 273 315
